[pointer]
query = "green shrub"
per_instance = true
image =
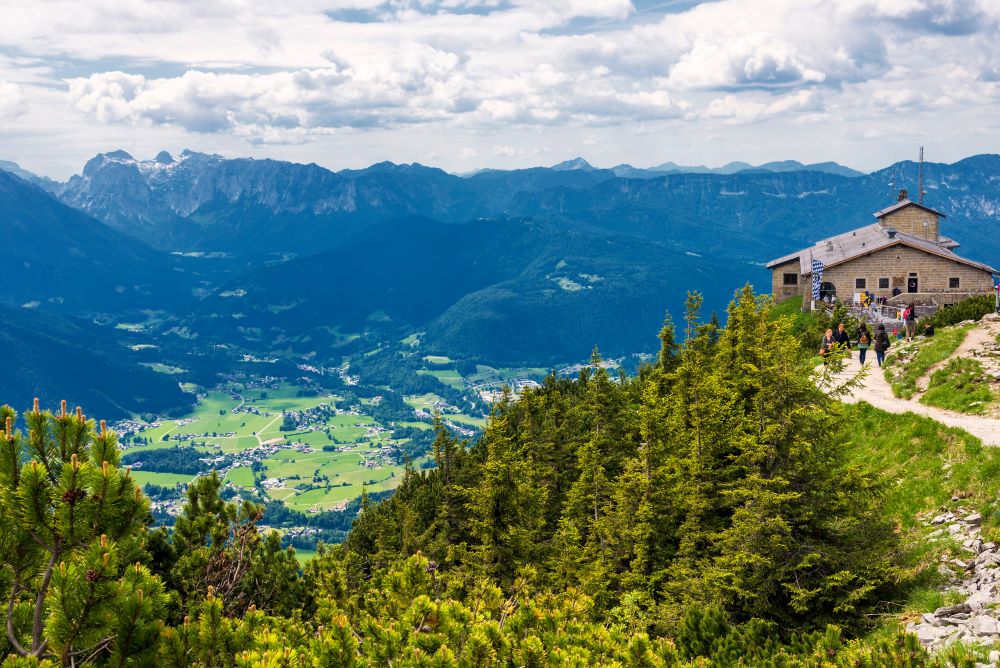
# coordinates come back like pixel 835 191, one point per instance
pixel 973 308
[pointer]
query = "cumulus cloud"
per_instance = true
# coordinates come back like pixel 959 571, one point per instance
pixel 413 85
pixel 12 100
pixel 733 110
pixel 751 61
pixel 505 151
pixel 948 17
pixel 300 70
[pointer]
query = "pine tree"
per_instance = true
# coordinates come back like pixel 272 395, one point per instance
pixel 70 522
pixel 669 348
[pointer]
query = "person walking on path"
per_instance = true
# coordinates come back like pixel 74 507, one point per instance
pixel 842 338
pixel 864 342
pixel 910 319
pixel 881 344
pixel 826 346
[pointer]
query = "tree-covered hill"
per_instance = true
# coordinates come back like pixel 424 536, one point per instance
pixel 719 509
pixel 59 259
pixel 502 291
pixel 66 358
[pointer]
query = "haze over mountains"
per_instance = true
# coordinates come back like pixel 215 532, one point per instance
pixel 529 266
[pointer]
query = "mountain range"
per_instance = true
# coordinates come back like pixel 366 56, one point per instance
pixel 268 208
pixel 509 266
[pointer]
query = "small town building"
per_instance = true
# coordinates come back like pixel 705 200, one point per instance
pixel 902 257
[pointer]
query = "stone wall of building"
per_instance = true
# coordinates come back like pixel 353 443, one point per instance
pixel 781 291
pixel 913 220
pixel 933 274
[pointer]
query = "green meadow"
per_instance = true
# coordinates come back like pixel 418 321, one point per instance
pixel 323 479
pixel 161 479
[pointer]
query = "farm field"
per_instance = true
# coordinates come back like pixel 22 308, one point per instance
pixel 304 555
pixel 213 420
pixel 449 377
pixel 488 374
pixel 324 463
pixel 428 402
pixel 162 479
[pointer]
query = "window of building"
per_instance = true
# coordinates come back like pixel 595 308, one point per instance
pixel 791 279
pixel 954 282
pixel 860 283
pixel 883 284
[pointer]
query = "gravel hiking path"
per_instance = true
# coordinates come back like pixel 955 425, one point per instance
pixel 876 391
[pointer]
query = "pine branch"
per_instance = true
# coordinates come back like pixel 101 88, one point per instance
pixel 11 635
pixel 37 626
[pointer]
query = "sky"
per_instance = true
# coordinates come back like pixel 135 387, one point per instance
pixel 467 84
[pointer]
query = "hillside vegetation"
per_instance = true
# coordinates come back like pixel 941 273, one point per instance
pixel 86 364
pixel 720 507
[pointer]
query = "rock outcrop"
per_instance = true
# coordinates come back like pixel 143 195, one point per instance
pixel 976 578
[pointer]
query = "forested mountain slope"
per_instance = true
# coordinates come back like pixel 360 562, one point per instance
pixel 59 259
pixel 505 291
pixel 59 358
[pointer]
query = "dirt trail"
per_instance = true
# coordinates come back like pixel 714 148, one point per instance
pixel 876 391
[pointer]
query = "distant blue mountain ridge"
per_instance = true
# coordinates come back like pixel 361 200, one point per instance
pixel 596 237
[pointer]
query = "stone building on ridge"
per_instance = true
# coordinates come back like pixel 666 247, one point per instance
pixel 901 257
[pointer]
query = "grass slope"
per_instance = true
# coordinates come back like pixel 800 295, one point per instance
pixel 908 364
pixel 961 385
pixel 925 465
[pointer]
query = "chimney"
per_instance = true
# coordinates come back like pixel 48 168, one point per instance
pixel 891 231
pixel 902 195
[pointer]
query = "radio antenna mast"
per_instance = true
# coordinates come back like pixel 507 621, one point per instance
pixel 920 177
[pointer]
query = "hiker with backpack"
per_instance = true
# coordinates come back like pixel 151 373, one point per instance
pixel 864 342
pixel 910 320
pixel 881 344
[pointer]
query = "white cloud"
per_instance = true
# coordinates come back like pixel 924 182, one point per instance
pixel 507 151
pixel 292 73
pixel 12 100
pixel 734 110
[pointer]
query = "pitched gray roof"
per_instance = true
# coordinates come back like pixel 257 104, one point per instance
pixel 902 204
pixel 865 240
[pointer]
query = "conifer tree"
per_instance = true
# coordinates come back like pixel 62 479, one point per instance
pixel 70 523
pixel 669 348
pixel 216 546
pixel 507 504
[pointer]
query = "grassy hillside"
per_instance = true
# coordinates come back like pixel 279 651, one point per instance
pixel 925 465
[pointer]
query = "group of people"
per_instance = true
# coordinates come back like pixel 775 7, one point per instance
pixel 865 340
pixel 841 340
pixel 871 300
